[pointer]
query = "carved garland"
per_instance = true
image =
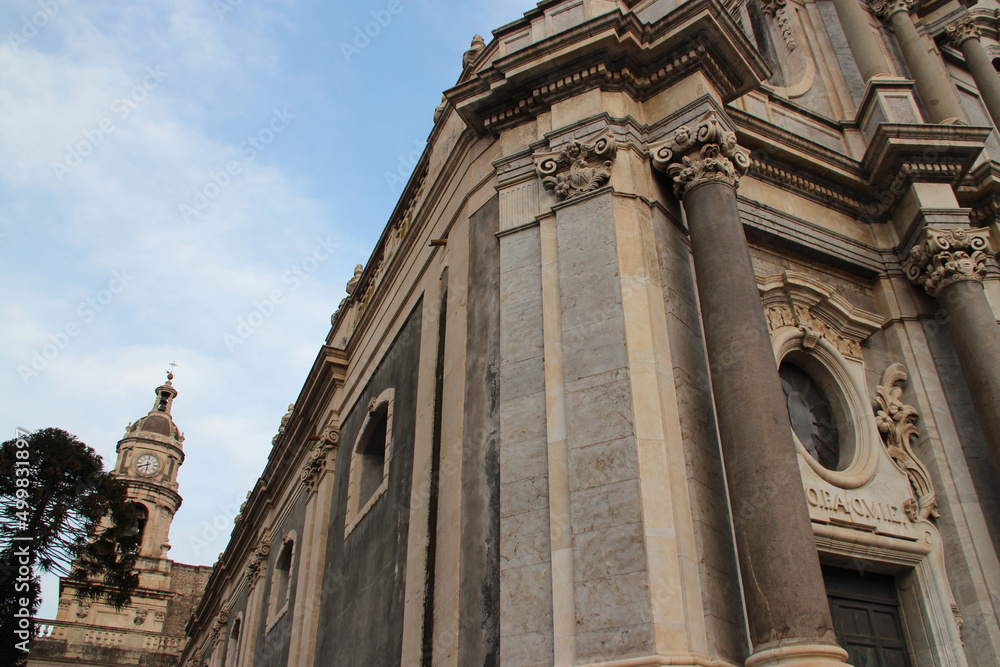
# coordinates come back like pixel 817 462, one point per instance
pixel 708 152
pixel 944 257
pixel 582 177
pixel 896 422
pixel 775 9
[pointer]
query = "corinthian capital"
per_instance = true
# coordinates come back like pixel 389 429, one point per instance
pixel 707 152
pixel 944 257
pixel 963 30
pixel 884 9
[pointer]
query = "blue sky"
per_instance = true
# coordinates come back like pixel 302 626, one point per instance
pixel 172 167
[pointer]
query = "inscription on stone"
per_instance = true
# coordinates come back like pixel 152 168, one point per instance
pixel 856 509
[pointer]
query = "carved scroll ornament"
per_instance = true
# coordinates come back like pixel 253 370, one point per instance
pixel 896 422
pixel 258 558
pixel 315 463
pixel 707 152
pixel 944 257
pixel 582 176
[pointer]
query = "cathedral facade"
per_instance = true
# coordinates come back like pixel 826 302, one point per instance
pixel 150 631
pixel 680 348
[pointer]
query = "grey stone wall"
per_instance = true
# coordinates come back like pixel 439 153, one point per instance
pixel 188 584
pixel 273 645
pixel 525 559
pixel 479 588
pixel 613 611
pixel 361 608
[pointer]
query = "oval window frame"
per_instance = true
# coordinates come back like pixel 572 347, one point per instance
pixel 842 383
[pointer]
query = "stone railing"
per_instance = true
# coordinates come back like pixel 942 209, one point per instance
pixel 70 640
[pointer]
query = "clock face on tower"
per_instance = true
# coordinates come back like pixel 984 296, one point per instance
pixel 147 465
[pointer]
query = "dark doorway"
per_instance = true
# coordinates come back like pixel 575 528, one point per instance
pixel 866 617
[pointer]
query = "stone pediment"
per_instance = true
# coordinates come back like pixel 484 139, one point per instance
pixel 797 299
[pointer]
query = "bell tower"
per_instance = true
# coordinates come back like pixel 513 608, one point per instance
pixel 149 456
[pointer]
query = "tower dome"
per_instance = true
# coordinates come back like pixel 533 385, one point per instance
pixel 159 421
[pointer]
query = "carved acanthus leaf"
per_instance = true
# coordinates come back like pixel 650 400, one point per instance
pixel 884 9
pixel 963 30
pixel 944 257
pixel 896 422
pixel 582 176
pixel 707 152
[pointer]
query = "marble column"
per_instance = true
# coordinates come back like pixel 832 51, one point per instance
pixel 933 84
pixel 861 39
pixel 951 264
pixel 786 604
pixel 965 35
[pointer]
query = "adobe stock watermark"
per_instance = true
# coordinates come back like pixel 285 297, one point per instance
pixel 223 7
pixel 30 26
pixel 122 108
pixel 222 178
pixel 363 35
pixel 396 180
pixel 265 308
pixel 87 311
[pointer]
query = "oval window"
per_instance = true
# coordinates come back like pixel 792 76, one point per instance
pixel 811 415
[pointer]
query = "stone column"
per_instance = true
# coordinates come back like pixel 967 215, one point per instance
pixel 965 35
pixel 785 598
pixel 951 264
pixel 861 39
pixel 932 80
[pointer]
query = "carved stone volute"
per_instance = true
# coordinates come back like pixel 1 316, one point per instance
pixel 943 257
pixel 706 152
pixel 896 422
pixel 583 175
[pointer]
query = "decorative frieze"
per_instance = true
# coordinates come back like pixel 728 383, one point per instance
pixel 582 176
pixel 794 299
pixel 963 30
pixel 944 257
pixel 884 9
pixel 707 152
pixel 896 422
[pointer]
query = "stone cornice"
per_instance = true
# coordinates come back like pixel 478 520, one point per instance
pixel 703 152
pixel 615 51
pixel 902 154
pixel 944 257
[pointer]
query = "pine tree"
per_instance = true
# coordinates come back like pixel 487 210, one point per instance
pixel 61 513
